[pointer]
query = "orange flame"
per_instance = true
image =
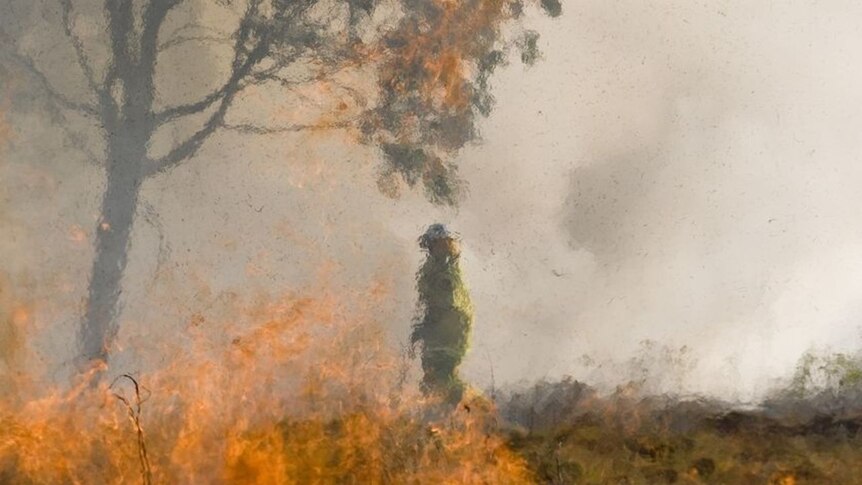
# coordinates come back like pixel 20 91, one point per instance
pixel 302 390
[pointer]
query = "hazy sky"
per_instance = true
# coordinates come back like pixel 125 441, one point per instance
pixel 691 170
pixel 676 171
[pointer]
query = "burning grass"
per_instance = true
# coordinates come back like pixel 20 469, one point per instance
pixel 304 390
pixel 307 390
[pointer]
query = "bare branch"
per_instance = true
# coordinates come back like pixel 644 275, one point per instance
pixel 41 79
pixel 60 105
pixel 277 130
pixel 154 16
pixel 195 26
pixel 269 75
pixel 238 71
pixel 83 62
pixel 245 60
pixel 181 39
pixel 120 23
pixel 55 95
pixel 195 32
pixel 134 412
pixel 241 66
pixel 199 106
pixel 189 147
pixel 175 112
pixel 134 65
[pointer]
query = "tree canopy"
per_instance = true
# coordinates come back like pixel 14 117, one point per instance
pixel 407 76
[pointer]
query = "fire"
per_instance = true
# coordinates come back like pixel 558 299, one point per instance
pixel 302 389
pixel 441 50
pixel 783 478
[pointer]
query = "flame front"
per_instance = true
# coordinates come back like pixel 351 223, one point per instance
pixel 303 390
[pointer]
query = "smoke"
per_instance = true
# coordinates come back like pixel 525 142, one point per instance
pixel 678 172
pixel 675 172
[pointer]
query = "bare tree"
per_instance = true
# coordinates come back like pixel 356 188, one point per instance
pixel 432 61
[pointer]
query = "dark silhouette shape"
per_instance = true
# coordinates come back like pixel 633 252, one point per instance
pixel 445 318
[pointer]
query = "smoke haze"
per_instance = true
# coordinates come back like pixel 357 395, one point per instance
pixel 677 172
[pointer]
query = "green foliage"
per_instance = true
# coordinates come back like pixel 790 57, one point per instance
pixel 434 85
pixel 445 318
pixel 413 164
pixel 816 373
pixel 529 45
pixel 552 7
pixel 483 100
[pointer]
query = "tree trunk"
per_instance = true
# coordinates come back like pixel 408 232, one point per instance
pixel 126 154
